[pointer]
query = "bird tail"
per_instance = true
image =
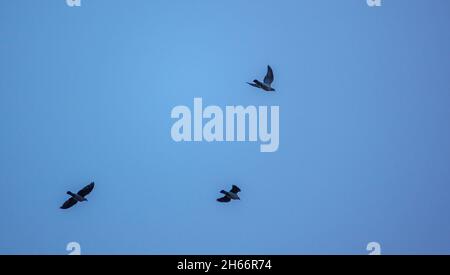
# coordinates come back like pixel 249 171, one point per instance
pixel 223 192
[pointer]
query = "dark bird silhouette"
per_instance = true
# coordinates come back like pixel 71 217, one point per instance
pixel 267 84
pixel 232 195
pixel 78 197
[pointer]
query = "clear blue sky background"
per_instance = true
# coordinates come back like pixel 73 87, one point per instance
pixel 86 95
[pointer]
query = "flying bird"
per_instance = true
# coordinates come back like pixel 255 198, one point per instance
pixel 232 195
pixel 78 197
pixel 267 84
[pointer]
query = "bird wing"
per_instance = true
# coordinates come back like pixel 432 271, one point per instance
pixel 269 76
pixel 224 199
pixel 86 190
pixel 235 189
pixel 69 203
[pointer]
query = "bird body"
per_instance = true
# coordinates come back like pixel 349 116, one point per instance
pixel 77 197
pixel 267 84
pixel 231 195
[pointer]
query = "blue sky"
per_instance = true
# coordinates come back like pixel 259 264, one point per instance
pixel 86 95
